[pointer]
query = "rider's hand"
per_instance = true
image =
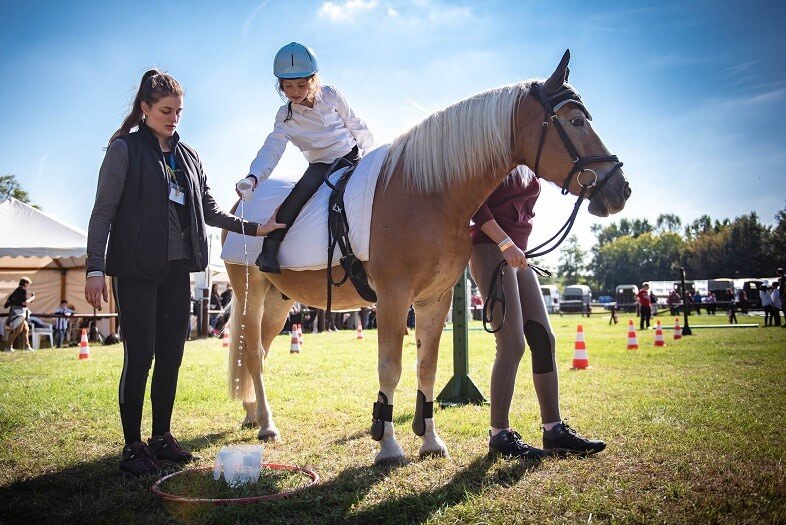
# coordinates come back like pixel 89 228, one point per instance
pixel 245 186
pixel 515 257
pixel 95 289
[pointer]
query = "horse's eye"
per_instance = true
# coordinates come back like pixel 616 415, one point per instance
pixel 578 121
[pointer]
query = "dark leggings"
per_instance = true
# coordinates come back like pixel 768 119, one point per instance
pixel 646 315
pixel 305 188
pixel 154 318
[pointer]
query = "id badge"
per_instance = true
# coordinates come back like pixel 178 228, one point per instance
pixel 177 194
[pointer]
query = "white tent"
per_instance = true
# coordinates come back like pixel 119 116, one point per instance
pixel 51 253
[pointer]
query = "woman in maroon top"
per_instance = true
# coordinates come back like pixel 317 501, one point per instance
pixel 501 230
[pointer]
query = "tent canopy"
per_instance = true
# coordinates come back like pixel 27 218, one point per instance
pixel 42 240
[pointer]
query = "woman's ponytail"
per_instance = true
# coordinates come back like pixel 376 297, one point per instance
pixel 154 86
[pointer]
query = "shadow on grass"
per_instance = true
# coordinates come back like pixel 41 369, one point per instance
pixel 420 506
pixel 94 492
pixel 89 492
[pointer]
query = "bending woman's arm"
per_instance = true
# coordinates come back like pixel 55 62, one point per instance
pixel 215 216
pixel 485 221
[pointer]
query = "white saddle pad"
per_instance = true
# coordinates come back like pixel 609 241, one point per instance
pixel 305 245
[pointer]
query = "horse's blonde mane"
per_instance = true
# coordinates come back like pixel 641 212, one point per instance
pixel 457 143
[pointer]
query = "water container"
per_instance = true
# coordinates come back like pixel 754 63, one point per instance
pixel 240 464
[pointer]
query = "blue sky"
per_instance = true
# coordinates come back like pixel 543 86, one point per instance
pixel 690 95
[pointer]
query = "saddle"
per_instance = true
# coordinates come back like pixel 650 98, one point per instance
pixel 338 235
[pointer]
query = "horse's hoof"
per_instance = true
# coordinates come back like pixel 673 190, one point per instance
pixel 269 435
pixel 249 424
pixel 390 452
pixel 380 460
pixel 433 453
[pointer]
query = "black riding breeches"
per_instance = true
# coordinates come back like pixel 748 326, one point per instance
pixel 154 318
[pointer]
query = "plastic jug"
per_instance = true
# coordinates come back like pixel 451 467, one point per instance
pixel 240 464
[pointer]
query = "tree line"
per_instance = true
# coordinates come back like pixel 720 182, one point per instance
pixel 634 250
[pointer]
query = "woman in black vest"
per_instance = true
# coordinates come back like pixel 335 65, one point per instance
pixel 153 195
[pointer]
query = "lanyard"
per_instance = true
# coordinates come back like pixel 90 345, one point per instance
pixel 171 167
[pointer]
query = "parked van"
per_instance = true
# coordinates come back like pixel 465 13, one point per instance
pixel 551 297
pixel 625 296
pixel 575 298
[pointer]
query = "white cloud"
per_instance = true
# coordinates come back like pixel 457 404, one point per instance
pixel 250 18
pixel 347 10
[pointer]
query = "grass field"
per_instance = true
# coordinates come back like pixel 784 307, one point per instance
pixel 695 434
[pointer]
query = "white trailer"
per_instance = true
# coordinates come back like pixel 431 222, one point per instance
pixel 551 297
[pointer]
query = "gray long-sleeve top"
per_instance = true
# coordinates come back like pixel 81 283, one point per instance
pixel 111 184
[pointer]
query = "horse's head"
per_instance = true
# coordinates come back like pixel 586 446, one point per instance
pixel 568 152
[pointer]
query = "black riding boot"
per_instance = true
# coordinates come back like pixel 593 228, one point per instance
pixel 268 259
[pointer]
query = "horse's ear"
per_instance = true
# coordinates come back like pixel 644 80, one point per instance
pixel 560 75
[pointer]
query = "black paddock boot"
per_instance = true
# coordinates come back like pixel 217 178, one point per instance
pixel 564 440
pixel 508 444
pixel 268 259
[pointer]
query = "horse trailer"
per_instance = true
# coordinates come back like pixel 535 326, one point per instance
pixel 551 297
pixel 576 298
pixel 625 297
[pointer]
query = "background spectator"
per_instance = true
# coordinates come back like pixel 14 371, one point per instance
pixel 63 312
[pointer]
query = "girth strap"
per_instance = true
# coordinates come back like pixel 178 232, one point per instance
pixel 338 235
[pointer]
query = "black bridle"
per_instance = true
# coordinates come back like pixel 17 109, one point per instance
pixel 551 105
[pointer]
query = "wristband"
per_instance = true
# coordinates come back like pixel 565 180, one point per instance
pixel 97 273
pixel 505 243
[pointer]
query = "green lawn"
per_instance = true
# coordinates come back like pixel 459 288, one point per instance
pixel 695 434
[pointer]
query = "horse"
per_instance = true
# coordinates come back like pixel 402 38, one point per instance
pixel 433 180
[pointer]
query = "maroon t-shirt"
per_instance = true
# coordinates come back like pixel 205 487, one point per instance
pixel 644 298
pixel 511 205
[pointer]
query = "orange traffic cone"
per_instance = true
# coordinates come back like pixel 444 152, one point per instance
pixel 633 343
pixel 299 333
pixel 360 331
pixel 659 335
pixel 677 328
pixel 84 348
pixel 225 338
pixel 580 360
pixel 294 346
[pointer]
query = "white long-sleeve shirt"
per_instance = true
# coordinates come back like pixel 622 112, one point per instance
pixel 766 298
pixel 323 133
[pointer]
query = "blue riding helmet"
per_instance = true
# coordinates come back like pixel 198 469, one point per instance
pixel 295 61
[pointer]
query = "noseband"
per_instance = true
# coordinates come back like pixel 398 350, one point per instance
pixel 551 104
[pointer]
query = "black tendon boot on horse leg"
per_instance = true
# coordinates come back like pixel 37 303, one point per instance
pixel 381 413
pixel 423 411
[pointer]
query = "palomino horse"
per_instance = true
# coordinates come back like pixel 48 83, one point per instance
pixel 434 179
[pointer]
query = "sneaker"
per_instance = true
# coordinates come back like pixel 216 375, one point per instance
pixel 138 460
pixel 29 349
pixel 508 443
pixel 8 349
pixel 166 448
pixel 565 440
